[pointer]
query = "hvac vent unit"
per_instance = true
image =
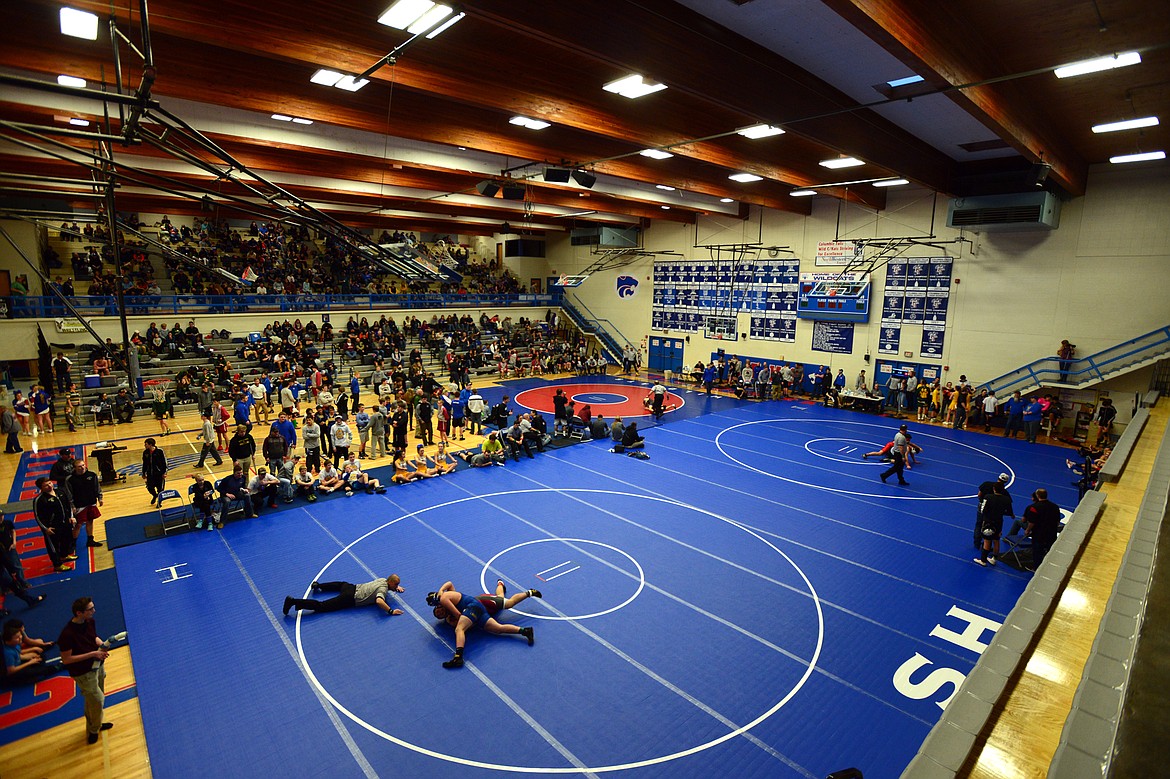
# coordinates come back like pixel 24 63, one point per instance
pixel 1003 213
pixel 585 236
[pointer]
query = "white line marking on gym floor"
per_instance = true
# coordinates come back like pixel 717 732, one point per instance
pixel 562 573
pixel 546 570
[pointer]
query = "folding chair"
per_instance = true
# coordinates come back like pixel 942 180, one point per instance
pixel 577 428
pixel 174 513
pixel 1012 546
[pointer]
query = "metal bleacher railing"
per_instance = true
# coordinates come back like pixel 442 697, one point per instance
pixel 49 307
pixel 1050 371
pixel 589 323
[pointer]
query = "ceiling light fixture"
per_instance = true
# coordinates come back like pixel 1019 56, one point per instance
pixel 79 122
pixel 1112 127
pixel 325 77
pixel 79 24
pixel 901 82
pixel 331 78
pixel 802 192
pixel 656 154
pixel 666 187
pixel 1100 63
pixel 299 120
pixel 531 124
pixel 633 86
pixel 351 83
pixel 726 200
pixel 891 183
pixel 71 81
pixel 445 26
pixel 745 178
pixel 1140 157
pixel 282 118
pixel 665 208
pixel 760 131
pixel 841 162
pixel 436 14
pixel 404 13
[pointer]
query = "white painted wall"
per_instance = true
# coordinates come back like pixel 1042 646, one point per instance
pixel 1102 277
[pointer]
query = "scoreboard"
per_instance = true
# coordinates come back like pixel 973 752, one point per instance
pixel 836 297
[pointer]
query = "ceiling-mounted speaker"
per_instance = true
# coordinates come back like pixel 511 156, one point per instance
pixel 584 178
pixel 488 188
pixel 557 175
pixel 513 191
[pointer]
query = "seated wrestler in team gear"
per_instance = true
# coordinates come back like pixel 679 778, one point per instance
pixel 465 612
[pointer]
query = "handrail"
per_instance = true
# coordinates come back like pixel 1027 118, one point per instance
pixel 603 326
pixel 107 305
pixel 1049 370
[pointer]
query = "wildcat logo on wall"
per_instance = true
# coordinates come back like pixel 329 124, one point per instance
pixel 627 286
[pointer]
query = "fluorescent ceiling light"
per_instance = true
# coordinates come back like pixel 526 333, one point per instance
pixel 841 162
pixel 282 118
pixel 299 120
pixel 79 24
pixel 667 187
pixel 726 200
pixel 745 177
pixel 351 84
pixel 891 183
pixel 74 81
pixel 430 19
pixel 633 86
pixel 445 26
pixel 666 208
pixel 531 124
pixel 1142 157
pixel 802 192
pixel 901 82
pixel 1111 127
pixel 404 13
pixel 79 122
pixel 656 154
pixel 1100 63
pixel 325 77
pixel 760 131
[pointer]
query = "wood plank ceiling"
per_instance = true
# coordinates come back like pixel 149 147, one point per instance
pixel 407 150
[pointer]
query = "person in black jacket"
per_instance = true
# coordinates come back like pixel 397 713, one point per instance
pixel 86 492
pixel 154 469
pixel 55 523
pixel 242 448
pixel 60 472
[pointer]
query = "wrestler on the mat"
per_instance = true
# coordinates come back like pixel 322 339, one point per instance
pixel 465 612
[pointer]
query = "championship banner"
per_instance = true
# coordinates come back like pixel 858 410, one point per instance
pixel 932 341
pixel 836 337
pixel 892 304
pixel 786 330
pixel 940 272
pixel 936 306
pixel 917 272
pixel 896 274
pixel 838 252
pixel 889 339
pixel 914 312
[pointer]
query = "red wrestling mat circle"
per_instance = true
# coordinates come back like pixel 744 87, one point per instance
pixel 612 400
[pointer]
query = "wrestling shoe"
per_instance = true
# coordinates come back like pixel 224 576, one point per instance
pixel 315 586
pixel 535 594
pixel 980 561
pixel 454 662
pixel 529 634
pixel 288 604
pixel 991 561
pixel 500 583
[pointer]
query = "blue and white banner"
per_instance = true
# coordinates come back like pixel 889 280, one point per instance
pixel 917 272
pixel 937 301
pixel 889 339
pixel 940 272
pixel 932 341
pixel 836 337
pixel 915 303
pixel 896 274
pixel 892 304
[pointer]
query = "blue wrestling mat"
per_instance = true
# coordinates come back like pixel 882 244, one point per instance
pixel 752 601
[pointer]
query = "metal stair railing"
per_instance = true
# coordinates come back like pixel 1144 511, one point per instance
pixel 1084 371
pixel 594 325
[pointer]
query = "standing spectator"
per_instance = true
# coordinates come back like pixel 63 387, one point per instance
pixel 61 367
pixel 207 433
pixel 361 420
pixel 219 419
pixel 341 438
pixel 11 569
pixel 203 397
pixel 1065 355
pixel 85 490
pixel 83 654
pixel 11 430
pixel 894 393
pixel 1033 412
pixel 242 448
pixel 53 518
pixel 1105 416
pixel 154 469
pixel 475 409
pixel 1014 409
pixel 377 432
pixel 1042 523
pixel 287 429
pixel 41 407
pixel 990 405
pixel 311 439
pixel 986 489
pixel 259 395
pixel 160 406
pixel 994 507
pixel 275 447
